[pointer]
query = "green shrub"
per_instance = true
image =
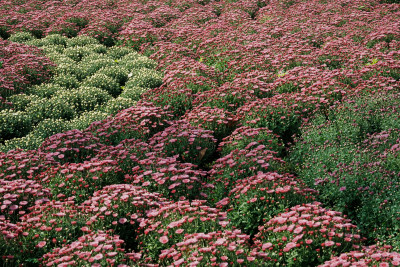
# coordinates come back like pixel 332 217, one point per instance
pixel 104 82
pixel 117 104
pixel 71 68
pixel 81 40
pixel 20 101
pixel 59 58
pixel 45 90
pixel 86 118
pixel 49 127
pixel 346 155
pixel 78 52
pixel 97 48
pixel 55 39
pixel 66 80
pixel 85 98
pixel 51 48
pixel 116 52
pixel 145 78
pixel 96 56
pixel 118 73
pixel 133 92
pixel 138 63
pixel 21 37
pixel 28 142
pixel 14 124
pixel 90 65
pixel 53 108
pixel 129 57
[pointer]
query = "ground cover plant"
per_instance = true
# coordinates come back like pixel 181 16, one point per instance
pixel 200 133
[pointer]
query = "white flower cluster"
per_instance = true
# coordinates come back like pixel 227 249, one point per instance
pixel 91 82
pixel 86 118
pixel 146 78
pixel 21 101
pixel 117 104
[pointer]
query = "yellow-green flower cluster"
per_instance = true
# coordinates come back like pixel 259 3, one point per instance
pixel 91 81
pixel 86 118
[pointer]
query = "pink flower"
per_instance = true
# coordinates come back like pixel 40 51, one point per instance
pixel 266 246
pixel 329 243
pixel 220 241
pixel 122 220
pixel 98 256
pixel 179 262
pixel 298 230
pixel 41 244
pixel 164 239
pixel 179 231
pixel 289 246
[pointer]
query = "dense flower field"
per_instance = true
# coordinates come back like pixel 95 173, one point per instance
pixel 200 133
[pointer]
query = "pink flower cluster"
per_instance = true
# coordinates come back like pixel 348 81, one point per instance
pixel 20 67
pixel 170 223
pixel 306 233
pixel 98 249
pixel 367 256
pixel 169 177
pixel 140 121
pixel 192 144
pixel 17 196
pixel 222 248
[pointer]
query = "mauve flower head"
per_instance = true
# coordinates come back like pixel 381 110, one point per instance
pixel 18 195
pixel 200 248
pixel 192 144
pixel 140 121
pixel 306 225
pixel 164 221
pixel 371 255
pixel 96 248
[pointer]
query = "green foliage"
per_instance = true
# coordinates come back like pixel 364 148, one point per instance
pixel 78 52
pixel 133 92
pixel 129 57
pixel 87 76
pixel 139 62
pixel 118 73
pixel 145 78
pixel 14 124
pixel 86 118
pixel 60 59
pixel 49 127
pixel 117 104
pixel 84 98
pixel 82 40
pixel 116 52
pixel 104 82
pixel 348 159
pixel 53 108
pixel 66 80
pixel 20 101
pixel 27 142
pixel 45 90
pixel 21 37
